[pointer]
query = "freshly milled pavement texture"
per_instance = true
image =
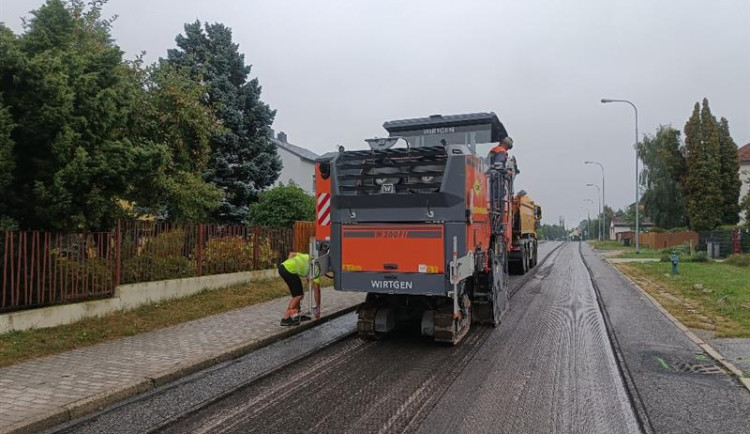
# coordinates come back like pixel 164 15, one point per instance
pixel 549 367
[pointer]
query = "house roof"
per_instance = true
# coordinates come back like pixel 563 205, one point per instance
pixel 303 153
pixel 745 154
pixel 622 222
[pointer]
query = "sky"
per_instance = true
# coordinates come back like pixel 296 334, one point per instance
pixel 336 70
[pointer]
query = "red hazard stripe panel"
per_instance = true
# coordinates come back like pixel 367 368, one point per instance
pixel 324 209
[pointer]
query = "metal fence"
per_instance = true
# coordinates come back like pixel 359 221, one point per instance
pixel 44 268
pixel 729 241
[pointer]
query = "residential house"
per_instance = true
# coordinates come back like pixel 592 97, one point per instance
pixel 745 173
pixel 298 163
pixel 618 227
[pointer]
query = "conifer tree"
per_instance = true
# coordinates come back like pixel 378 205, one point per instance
pixel 702 184
pixel 243 160
pixel 729 174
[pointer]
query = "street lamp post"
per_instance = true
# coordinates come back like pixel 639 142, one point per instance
pixel 604 192
pixel 598 196
pixel 637 198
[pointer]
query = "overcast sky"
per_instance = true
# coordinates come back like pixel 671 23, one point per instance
pixel 336 70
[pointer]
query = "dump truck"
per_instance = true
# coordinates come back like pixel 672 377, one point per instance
pixel 422 223
pixel 524 250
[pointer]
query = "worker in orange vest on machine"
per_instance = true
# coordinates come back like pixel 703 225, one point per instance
pixel 499 153
pixel 292 270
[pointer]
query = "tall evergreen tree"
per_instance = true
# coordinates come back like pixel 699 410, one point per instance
pixel 729 175
pixel 243 160
pixel 70 107
pixel 663 168
pixel 702 184
pixel 7 162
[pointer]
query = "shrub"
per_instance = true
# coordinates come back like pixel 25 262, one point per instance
pixel 150 268
pixel 94 271
pixel 282 206
pixel 739 260
pixel 232 254
pixel 160 258
pixel 227 254
pixel 699 256
pixel 168 243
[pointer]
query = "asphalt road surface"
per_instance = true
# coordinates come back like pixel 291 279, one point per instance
pixel 553 365
pixel 547 368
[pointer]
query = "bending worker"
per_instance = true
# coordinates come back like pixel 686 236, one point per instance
pixel 292 270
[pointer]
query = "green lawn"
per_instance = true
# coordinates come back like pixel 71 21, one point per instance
pixel 706 295
pixel 629 251
pixel 607 245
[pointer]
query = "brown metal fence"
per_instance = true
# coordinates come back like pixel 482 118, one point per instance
pixel 43 268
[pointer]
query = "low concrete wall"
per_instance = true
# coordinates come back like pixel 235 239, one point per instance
pixel 126 297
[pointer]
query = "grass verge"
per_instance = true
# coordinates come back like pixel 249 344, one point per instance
pixel 607 245
pixel 705 295
pixel 629 251
pixel 19 346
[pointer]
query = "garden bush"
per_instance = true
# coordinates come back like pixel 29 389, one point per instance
pixel 739 260
pixel 160 258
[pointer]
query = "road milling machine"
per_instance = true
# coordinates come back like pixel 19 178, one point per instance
pixel 422 223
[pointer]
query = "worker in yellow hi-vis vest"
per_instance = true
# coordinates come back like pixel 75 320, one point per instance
pixel 292 270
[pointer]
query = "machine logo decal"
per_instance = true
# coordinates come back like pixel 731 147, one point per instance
pixel 387 188
pixel 447 130
pixel 391 284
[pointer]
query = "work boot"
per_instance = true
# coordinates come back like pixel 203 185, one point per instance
pixel 291 321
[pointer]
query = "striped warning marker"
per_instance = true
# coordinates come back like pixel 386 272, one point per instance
pixel 324 209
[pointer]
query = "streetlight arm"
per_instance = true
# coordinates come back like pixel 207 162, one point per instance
pixel 637 177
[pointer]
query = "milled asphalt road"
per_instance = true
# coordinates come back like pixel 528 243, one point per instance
pixel 549 367
pixel 682 389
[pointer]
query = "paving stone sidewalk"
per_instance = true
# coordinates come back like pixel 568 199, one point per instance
pixel 47 391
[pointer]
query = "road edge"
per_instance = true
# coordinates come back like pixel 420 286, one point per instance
pixel 711 351
pixel 636 401
pixel 97 402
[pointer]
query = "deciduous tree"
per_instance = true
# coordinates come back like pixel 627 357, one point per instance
pixel 169 117
pixel 663 169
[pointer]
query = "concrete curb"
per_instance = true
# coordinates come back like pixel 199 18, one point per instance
pixel 95 403
pixel 692 336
